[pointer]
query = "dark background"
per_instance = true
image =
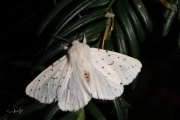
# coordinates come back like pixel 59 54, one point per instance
pixel 156 95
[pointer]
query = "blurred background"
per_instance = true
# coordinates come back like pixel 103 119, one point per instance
pixel 157 94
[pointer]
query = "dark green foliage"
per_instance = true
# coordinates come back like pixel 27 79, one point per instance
pixel 34 48
pixel 169 17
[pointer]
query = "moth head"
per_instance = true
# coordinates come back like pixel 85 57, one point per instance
pixel 74 43
pixel 77 41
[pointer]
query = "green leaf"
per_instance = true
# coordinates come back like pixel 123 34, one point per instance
pixel 119 38
pixel 141 9
pixel 41 68
pixel 51 111
pixel 124 103
pixel 72 12
pixel 69 116
pixel 99 3
pixel 108 45
pixel 94 111
pixel 94 15
pixel 19 63
pixel 93 38
pixel 166 11
pixel 118 109
pixel 173 5
pixel 169 20
pixel 137 25
pixel 121 106
pixel 125 21
pixel 81 115
pixel 92 33
pixel 5 117
pixel 21 101
pixel 54 11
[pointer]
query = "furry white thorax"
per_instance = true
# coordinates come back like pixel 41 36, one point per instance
pixel 79 55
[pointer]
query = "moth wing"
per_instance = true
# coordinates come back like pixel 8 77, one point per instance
pixel 60 81
pixel 44 86
pixel 75 92
pixel 124 68
pixel 102 85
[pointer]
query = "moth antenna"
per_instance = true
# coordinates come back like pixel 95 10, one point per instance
pixel 62 39
pixel 83 33
pixel 84 39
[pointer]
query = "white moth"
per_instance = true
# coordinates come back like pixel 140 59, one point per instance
pixel 82 74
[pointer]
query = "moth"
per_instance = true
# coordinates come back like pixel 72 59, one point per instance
pixel 84 73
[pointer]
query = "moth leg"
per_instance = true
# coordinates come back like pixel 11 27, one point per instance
pixel 64 47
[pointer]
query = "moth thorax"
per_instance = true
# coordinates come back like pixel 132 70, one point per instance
pixel 80 58
pixel 79 52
